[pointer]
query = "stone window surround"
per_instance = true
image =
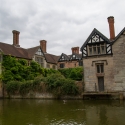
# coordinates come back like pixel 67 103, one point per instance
pixel 99 61
pixel 96 62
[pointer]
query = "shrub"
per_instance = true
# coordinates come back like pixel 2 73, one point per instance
pixel 12 87
pixel 59 85
pixel 69 87
pixel 36 83
pixel 73 73
pixel 25 87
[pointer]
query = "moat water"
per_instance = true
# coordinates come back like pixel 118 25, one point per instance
pixel 59 112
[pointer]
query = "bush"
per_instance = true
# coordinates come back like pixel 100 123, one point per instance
pixel 25 87
pixel 59 85
pixel 12 87
pixel 36 83
pixel 69 87
pixel 73 73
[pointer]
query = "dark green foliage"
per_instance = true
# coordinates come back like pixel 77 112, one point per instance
pixel 36 83
pixel 18 70
pixel 21 78
pixel 23 62
pixel 73 73
pixel 7 76
pixel 59 85
pixel 25 87
pixel 12 87
pixel 69 87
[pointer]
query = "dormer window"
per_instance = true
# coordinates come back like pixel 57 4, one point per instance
pixel 39 52
pixel 96 49
pixel 73 56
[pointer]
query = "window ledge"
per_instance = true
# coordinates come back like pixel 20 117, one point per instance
pixel 100 74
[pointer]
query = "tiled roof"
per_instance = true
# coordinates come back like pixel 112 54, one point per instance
pixel 78 56
pixel 68 57
pixel 51 58
pixel 32 51
pixel 122 31
pixel 19 52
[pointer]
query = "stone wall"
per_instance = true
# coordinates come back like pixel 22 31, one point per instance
pixel 119 63
pixel 91 76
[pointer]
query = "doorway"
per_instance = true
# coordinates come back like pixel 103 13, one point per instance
pixel 101 84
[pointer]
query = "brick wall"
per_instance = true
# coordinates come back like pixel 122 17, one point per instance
pixel 69 64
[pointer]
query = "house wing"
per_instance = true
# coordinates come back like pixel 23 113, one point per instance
pixel 96 37
pixel 63 57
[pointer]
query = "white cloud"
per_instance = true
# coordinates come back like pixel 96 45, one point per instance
pixel 64 24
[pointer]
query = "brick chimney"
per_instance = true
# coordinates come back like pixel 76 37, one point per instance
pixel 111 27
pixel 43 45
pixel 16 38
pixel 75 50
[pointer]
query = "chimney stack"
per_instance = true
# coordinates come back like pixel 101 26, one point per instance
pixel 75 50
pixel 111 27
pixel 16 38
pixel 43 45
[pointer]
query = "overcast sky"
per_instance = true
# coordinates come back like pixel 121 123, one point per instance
pixel 62 23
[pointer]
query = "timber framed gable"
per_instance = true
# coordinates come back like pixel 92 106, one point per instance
pixel 75 56
pixel 96 44
pixel 63 57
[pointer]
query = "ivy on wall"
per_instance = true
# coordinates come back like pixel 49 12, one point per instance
pixel 14 69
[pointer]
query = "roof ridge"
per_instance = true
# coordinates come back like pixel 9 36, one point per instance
pixel 118 35
pixel 33 47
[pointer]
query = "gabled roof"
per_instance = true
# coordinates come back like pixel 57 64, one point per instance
pixel 78 56
pixel 122 31
pixel 66 57
pixel 32 51
pixel 19 52
pixel 51 58
pixel 90 36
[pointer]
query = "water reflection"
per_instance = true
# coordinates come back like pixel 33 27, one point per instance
pixel 56 112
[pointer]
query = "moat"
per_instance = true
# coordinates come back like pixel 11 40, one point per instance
pixel 61 112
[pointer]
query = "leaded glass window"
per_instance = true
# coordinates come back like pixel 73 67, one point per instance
pixel 97 49
pixel 100 68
